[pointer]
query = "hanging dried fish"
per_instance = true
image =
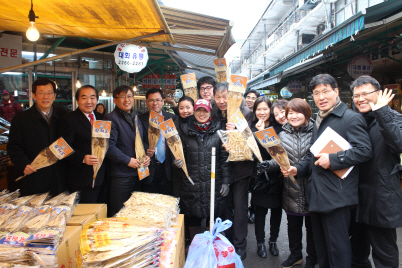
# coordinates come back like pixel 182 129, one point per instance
pixel 221 69
pixel 270 141
pixel 153 131
pixel 174 142
pixel 100 143
pixel 189 83
pixel 50 155
pixel 237 87
pixel 239 150
pixel 140 152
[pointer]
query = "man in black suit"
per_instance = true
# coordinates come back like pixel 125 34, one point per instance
pixel 160 169
pixel 31 132
pixel 76 129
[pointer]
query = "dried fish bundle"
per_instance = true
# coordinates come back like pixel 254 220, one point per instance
pixel 36 223
pixel 270 141
pixel 155 216
pixel 174 142
pixel 3 192
pixel 100 143
pixel 140 154
pixel 221 70
pixel 38 200
pixel 71 200
pixel 50 155
pixel 239 151
pixel 153 131
pixel 221 76
pixel 10 196
pixel 55 200
pixel 191 92
pixel 7 215
pixel 234 101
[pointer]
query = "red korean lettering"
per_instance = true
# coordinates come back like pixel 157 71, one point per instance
pixel 4 52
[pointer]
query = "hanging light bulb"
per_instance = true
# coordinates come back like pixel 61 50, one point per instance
pixel 103 93
pixel 135 88
pixel 78 84
pixel 32 32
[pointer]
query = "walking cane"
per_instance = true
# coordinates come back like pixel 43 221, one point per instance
pixel 212 202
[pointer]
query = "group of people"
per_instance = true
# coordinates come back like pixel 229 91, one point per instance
pixel 344 218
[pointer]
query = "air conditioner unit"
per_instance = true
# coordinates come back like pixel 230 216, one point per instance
pixel 320 28
pixel 305 39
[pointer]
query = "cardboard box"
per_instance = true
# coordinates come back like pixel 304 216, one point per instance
pixel 179 257
pixel 99 210
pixel 82 220
pixel 68 248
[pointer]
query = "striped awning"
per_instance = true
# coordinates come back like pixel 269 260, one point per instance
pixel 267 82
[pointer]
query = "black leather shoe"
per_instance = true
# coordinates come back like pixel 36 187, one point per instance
pixel 251 219
pixel 310 264
pixel 292 261
pixel 273 249
pixel 242 253
pixel 262 251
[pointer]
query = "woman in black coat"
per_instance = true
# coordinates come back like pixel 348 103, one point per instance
pixel 198 137
pixel 271 196
pixel 101 109
pixel 185 109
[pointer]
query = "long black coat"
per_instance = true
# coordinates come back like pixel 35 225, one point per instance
pixel 144 119
pixel 380 197
pixel 29 135
pixel 271 197
pixel 243 169
pixel 195 199
pixel 297 145
pixel 326 191
pixel 77 131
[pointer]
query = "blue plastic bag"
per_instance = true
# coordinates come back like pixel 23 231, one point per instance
pixel 213 250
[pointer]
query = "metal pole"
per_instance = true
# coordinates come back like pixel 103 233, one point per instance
pixel 73 90
pixel 68 54
pixel 30 88
pixel 212 202
pixel 36 67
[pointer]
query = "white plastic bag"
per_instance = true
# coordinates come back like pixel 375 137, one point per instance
pixel 213 250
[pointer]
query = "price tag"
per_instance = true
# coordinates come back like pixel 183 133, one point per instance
pixel 188 80
pixel 143 172
pixel 60 148
pixel 101 129
pixel 267 137
pixel 239 120
pixel 155 119
pixel 220 65
pixel 102 239
pixel 168 128
pixel 237 83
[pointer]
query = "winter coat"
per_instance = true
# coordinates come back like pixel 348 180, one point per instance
pixel 297 145
pixel 380 197
pixel 325 190
pixel 243 169
pixel 9 108
pixel 195 199
pixel 29 135
pixel 270 197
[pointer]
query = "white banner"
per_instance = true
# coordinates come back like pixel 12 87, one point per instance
pixel 10 50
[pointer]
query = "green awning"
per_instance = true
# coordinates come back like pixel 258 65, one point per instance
pixel 382 11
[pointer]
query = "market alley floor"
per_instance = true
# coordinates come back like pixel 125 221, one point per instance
pixel 254 261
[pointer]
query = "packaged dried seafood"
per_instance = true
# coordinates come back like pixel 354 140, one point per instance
pixel 3 192
pixel 221 69
pixel 242 126
pixel 10 196
pixel 240 151
pixel 55 200
pixel 153 131
pixel 38 200
pixel 50 155
pixel 71 200
pixel 140 152
pixel 189 83
pixel 173 140
pixel 167 249
pixel 270 141
pixel 155 216
pixel 100 143
pixel 22 200
pixel 237 87
pixel 7 215
pixel 24 210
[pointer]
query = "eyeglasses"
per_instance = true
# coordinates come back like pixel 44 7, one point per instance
pixel 364 95
pixel 157 100
pixel 129 97
pixel 42 94
pixel 206 88
pixel 325 93
pixel 250 98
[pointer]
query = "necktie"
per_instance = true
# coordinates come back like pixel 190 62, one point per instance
pixel 91 116
pixel 160 152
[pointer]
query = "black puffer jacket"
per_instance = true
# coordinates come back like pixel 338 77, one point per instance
pixel 270 197
pixel 297 145
pixel 195 199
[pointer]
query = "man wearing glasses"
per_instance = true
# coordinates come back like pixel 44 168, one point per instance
pixel 330 198
pixel 121 153
pixel 32 131
pixel 250 97
pixel 160 168
pixel 379 212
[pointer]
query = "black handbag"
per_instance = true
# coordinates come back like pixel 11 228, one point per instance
pixel 260 179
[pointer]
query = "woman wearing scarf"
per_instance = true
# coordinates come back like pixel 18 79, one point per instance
pixel 199 136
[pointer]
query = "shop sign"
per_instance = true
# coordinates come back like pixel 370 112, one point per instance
pixel 285 93
pixel 294 86
pixel 396 88
pixel 10 50
pixel 154 80
pixel 131 58
pixel 360 65
pixel 381 59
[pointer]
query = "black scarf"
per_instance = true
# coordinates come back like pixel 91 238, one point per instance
pixel 369 117
pixel 202 127
pixel 185 120
pixel 129 117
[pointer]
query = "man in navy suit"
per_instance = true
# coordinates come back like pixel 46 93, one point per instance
pixel 160 169
pixel 123 162
pixel 76 129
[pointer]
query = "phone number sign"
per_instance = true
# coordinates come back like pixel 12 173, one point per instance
pixel 131 58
